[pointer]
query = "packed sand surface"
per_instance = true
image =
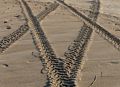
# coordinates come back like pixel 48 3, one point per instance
pixel 20 65
pixel 61 28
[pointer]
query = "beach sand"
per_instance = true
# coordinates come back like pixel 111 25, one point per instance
pixel 19 68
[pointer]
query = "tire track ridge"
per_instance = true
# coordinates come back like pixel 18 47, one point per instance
pixel 55 69
pixel 8 40
pixel 98 28
pixel 76 50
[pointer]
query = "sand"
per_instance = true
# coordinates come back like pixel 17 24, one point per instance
pixel 61 28
pixel 18 68
pixel 101 61
pixel 24 70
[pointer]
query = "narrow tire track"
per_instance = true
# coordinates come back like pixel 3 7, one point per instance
pixel 98 29
pixel 7 41
pixel 76 50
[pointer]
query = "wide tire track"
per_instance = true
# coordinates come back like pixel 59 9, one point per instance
pixel 76 50
pixel 55 69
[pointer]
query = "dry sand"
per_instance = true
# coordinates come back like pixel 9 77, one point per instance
pixel 61 27
pixel 101 62
pixel 24 70
pixel 10 16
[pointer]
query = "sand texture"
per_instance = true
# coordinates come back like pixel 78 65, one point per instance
pixel 95 62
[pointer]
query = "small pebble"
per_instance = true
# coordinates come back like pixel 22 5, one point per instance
pixel 17 16
pixel 5 65
pixel 8 27
pixel 5 22
pixel 114 62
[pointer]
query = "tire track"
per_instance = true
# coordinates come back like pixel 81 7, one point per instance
pixel 7 41
pixel 55 69
pixel 98 29
pixel 76 50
